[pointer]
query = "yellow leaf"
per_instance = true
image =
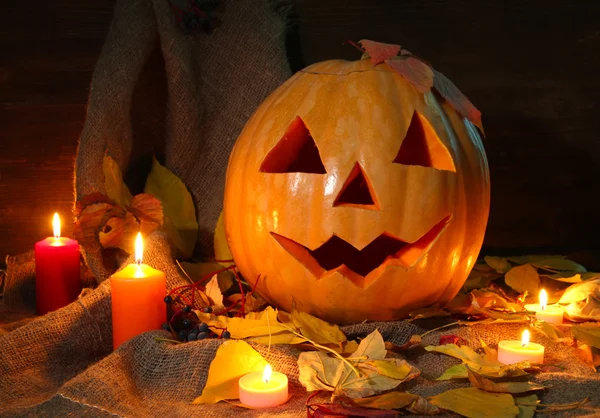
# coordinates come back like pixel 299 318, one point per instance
pixel 523 279
pixel 481 382
pixel 587 333
pixel 178 208
pixel 476 403
pixel 318 371
pixel 390 400
pixel 486 365
pixel 116 189
pixel 220 245
pixel 526 405
pixel 256 324
pixel 316 329
pixel 389 369
pixel 233 360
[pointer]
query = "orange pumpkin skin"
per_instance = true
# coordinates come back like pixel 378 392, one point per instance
pixel 361 114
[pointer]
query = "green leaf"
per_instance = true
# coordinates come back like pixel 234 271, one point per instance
pixel 476 403
pixel 220 244
pixel 178 208
pixel 500 264
pixel 587 333
pixel 560 264
pixel 523 279
pixel 116 189
pixel 528 409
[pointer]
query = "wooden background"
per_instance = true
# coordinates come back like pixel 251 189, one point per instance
pixel 532 68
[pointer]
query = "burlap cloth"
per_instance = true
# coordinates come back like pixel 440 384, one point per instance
pixel 62 364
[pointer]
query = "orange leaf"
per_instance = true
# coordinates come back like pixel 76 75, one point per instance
pixel 456 99
pixel 378 51
pixel 415 71
pixel 119 232
pixel 148 211
pixel 91 220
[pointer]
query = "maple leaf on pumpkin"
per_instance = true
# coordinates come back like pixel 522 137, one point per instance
pixel 414 71
pixel 378 51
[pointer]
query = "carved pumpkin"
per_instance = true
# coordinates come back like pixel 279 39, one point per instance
pixel 355 197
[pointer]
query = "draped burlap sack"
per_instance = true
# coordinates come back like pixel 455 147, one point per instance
pixel 62 364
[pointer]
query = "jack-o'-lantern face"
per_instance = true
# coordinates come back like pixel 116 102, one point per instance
pixel 353 197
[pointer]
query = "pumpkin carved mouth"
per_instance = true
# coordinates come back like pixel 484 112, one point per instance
pixel 359 266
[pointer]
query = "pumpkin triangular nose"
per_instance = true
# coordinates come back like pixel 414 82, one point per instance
pixel 357 191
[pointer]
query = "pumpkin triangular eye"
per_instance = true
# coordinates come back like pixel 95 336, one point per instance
pixel 296 152
pixel 357 191
pixel 423 147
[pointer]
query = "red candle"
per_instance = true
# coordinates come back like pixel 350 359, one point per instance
pixel 137 297
pixel 57 279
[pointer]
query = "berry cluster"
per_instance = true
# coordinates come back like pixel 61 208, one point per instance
pixel 185 325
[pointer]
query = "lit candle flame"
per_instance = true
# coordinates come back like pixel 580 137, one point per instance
pixel 267 373
pixel 139 248
pixel 543 299
pixel 525 338
pixel 56 225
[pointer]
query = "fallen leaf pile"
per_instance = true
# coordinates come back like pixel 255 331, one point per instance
pixel 365 372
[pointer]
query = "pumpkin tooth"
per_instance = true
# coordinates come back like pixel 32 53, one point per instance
pixel 336 254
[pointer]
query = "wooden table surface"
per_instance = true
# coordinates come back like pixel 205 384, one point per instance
pixel 532 68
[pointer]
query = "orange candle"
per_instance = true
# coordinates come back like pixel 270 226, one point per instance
pixel 137 293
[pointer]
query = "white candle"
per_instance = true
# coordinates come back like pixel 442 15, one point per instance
pixel 514 351
pixel 263 389
pixel 543 312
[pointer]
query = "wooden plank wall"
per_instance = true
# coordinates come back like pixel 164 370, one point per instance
pixel 532 68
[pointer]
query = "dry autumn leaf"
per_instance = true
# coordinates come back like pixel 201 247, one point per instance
pixel 335 410
pixel 483 383
pixel 486 365
pixel 456 99
pixel 222 251
pixel 257 325
pixel 178 208
pixel 500 264
pixel 415 71
pixel 390 400
pixel 116 189
pixel 233 360
pixel 587 333
pixel 526 405
pixel 475 403
pixel 360 375
pixel 523 279
pixel 215 295
pixel 378 51
pixel 316 329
